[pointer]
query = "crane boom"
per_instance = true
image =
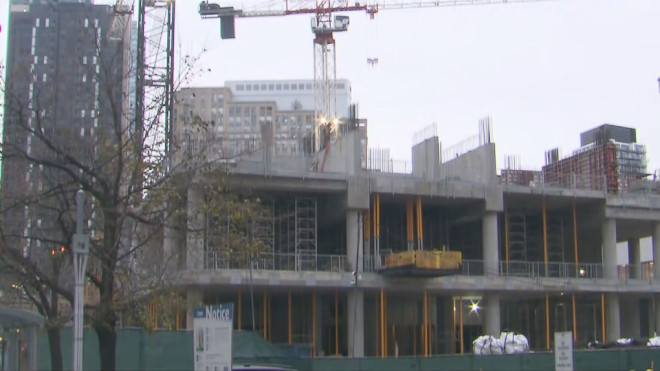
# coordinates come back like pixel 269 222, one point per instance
pixel 211 10
pixel 324 27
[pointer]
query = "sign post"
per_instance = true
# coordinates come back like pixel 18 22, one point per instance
pixel 564 351
pixel 80 256
pixel 213 327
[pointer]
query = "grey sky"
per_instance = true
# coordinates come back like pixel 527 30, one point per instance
pixel 545 71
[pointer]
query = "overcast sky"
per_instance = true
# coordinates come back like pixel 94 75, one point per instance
pixel 545 71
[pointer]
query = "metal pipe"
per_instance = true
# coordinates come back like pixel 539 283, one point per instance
pixel 453 325
pixel 575 336
pixel 238 317
pixel 380 325
pixel 415 327
pixel 336 323
pixel 409 225
pixel 289 315
pixel 547 321
pixel 545 239
pixel 265 318
pixel 602 313
pixel 420 226
pixel 460 318
pixel 575 235
pixel 506 234
pixel 313 323
pixel 426 321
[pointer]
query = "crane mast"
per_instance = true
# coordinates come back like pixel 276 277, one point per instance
pixel 324 27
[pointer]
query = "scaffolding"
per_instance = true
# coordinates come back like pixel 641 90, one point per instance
pixel 305 232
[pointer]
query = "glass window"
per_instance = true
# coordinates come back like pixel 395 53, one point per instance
pixel 256 86
pixel 263 87
pixel 278 87
pixel 240 87
pixel 248 87
pixel 286 86
pixel 271 86
pixel 308 86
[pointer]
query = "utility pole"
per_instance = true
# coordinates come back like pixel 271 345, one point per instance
pixel 80 256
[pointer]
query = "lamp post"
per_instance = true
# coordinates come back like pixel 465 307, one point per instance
pixel 80 255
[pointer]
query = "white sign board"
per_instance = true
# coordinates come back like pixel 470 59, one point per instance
pixel 213 326
pixel 564 351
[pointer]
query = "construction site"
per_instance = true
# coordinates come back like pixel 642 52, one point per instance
pixel 359 261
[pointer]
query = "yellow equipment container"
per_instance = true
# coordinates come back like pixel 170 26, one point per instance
pixel 423 262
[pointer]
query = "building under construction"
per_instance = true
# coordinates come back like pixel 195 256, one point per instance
pixel 360 262
pixel 610 159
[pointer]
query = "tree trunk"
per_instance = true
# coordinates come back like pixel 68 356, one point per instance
pixel 106 318
pixel 107 343
pixel 55 347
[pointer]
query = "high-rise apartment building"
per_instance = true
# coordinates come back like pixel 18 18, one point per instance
pixel 65 93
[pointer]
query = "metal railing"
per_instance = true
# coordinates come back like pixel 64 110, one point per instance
pixel 278 261
pixel 642 271
pixel 469 267
pixel 551 269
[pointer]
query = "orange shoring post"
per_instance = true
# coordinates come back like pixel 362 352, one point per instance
pixel 410 238
pixel 547 321
pixel 545 237
pixel 420 229
pixel 506 233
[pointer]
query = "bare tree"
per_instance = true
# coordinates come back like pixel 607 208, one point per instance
pixel 57 141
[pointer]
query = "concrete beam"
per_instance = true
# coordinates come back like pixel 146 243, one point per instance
pixel 358 193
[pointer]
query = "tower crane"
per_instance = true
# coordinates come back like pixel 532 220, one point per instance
pixel 324 26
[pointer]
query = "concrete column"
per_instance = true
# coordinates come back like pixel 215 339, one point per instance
pixel 634 259
pixel 630 319
pixel 194 298
pixel 490 244
pixel 354 240
pixel 656 251
pixel 194 235
pixel 355 315
pixel 609 250
pixel 612 317
pixel 491 309
pixel 33 347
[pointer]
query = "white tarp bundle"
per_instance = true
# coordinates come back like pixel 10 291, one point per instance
pixel 486 344
pixel 508 343
pixel 513 343
pixel 624 341
pixel 654 341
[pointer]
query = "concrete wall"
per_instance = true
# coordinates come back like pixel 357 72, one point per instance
pixel 426 159
pixel 474 166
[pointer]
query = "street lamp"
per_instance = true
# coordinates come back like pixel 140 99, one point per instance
pixel 80 256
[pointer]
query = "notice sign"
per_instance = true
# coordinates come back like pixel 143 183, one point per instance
pixel 564 351
pixel 213 326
